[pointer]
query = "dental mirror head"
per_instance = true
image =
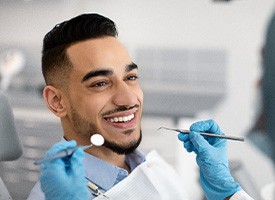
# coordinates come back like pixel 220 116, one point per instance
pixel 97 139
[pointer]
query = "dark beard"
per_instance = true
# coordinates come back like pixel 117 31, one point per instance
pixel 119 149
pixel 86 129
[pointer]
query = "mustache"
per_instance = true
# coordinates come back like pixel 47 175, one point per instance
pixel 119 109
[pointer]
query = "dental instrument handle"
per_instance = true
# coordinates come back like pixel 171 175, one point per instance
pixel 61 154
pixel 218 136
pixel 206 134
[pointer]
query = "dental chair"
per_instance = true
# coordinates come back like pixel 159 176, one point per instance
pixel 10 144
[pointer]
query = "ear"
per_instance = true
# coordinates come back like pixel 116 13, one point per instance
pixel 55 101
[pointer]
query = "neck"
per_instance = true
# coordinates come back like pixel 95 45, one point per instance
pixel 101 152
pixel 109 156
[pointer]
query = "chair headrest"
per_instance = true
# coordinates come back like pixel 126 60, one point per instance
pixel 10 144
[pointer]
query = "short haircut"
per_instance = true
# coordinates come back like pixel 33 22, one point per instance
pixel 56 66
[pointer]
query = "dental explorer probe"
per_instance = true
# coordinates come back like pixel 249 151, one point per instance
pixel 205 134
pixel 96 140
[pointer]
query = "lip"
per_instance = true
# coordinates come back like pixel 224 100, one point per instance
pixel 122 113
pixel 123 125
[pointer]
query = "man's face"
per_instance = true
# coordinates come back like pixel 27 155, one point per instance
pixel 104 93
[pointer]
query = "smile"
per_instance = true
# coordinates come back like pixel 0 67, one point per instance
pixel 121 119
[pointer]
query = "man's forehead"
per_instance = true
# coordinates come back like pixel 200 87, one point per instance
pixel 96 43
pixel 101 52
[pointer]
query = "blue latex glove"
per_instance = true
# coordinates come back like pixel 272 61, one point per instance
pixel 211 152
pixel 64 178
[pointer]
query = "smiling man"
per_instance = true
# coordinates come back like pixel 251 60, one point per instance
pixel 92 86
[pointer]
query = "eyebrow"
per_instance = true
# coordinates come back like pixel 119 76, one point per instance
pixel 131 67
pixel 106 72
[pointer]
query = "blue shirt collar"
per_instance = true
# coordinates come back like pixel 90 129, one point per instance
pixel 105 175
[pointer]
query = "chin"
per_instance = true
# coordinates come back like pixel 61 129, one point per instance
pixel 123 148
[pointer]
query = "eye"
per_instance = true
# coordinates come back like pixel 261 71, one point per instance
pixel 132 77
pixel 99 84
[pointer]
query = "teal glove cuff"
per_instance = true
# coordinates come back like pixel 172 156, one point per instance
pixel 217 189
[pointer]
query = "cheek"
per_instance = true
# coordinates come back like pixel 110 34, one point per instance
pixel 140 95
pixel 94 106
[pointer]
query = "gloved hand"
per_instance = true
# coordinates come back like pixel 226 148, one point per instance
pixel 211 152
pixel 64 178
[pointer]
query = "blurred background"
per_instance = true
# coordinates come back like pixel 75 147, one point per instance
pixel 197 59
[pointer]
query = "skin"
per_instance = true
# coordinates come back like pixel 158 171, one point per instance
pixel 102 82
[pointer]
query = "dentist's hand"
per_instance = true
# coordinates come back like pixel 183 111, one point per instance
pixel 211 152
pixel 64 178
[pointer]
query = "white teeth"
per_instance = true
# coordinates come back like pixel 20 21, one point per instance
pixel 121 119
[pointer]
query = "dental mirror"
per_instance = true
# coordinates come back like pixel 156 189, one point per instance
pixel 96 140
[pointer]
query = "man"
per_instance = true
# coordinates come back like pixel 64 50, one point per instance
pixel 92 86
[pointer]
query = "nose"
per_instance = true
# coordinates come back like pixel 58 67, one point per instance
pixel 124 95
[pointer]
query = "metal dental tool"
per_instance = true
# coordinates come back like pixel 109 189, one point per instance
pixel 96 140
pixel 205 134
pixel 96 190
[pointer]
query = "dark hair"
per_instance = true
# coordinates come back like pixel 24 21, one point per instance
pixel 55 63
